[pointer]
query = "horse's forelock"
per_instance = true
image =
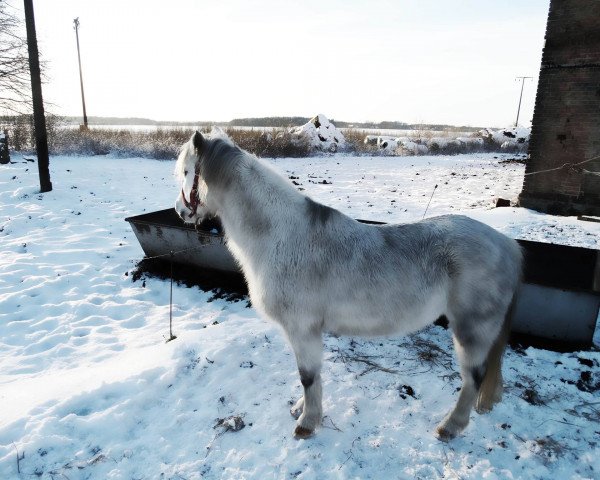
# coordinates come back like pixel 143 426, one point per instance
pixel 219 158
pixel 185 156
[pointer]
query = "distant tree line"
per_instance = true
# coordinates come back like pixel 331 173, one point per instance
pixel 92 120
pixel 271 122
pixel 278 122
pixel 275 122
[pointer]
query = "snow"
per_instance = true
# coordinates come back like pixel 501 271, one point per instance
pixel 413 148
pixel 474 141
pixel 511 139
pixel 321 134
pixel 90 390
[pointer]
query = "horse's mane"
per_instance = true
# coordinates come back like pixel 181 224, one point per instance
pixel 221 160
pixel 216 158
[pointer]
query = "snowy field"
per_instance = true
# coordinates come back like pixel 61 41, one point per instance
pixel 90 390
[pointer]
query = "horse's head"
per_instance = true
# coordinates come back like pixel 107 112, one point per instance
pixel 206 167
pixel 192 204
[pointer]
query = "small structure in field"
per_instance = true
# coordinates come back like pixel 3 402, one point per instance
pixel 321 134
pixel 511 138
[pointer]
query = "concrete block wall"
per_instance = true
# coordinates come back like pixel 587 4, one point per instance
pixel 566 120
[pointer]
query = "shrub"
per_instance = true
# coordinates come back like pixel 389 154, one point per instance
pixel 272 143
pixel 355 141
pixel 163 143
pixel 160 143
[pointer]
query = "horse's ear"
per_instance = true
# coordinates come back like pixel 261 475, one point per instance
pixel 198 140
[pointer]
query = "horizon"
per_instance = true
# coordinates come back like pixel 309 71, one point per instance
pixel 427 63
pixel 269 117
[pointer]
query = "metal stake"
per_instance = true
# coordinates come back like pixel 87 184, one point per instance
pixel 171 336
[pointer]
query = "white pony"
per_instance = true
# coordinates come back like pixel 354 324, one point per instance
pixel 312 269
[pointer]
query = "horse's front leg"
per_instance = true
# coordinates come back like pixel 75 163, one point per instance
pixel 308 348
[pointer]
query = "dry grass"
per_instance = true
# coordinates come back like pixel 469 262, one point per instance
pixel 159 143
pixel 355 140
pixel 164 143
pixel 547 449
pixel 271 143
pixel 347 357
pixel 588 411
pixel 428 353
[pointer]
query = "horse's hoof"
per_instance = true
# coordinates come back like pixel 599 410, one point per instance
pixel 444 435
pixel 482 409
pixel 302 432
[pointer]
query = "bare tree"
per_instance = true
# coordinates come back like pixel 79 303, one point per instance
pixel 15 84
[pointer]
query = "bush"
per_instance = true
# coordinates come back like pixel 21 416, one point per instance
pixel 355 140
pixel 161 143
pixel 21 131
pixel 21 134
pixel 164 143
pixel 271 143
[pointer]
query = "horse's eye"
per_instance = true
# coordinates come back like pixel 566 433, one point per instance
pixel 185 172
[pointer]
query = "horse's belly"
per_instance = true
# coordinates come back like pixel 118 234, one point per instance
pixel 353 317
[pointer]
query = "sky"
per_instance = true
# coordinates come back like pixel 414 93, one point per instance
pixel 444 61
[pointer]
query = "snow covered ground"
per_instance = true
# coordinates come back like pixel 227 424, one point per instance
pixel 90 390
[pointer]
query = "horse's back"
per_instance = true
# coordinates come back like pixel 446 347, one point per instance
pixel 461 247
pixel 430 252
pixel 418 269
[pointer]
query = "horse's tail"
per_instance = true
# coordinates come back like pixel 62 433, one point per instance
pixel 490 391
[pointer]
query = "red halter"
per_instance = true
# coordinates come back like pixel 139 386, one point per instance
pixel 194 202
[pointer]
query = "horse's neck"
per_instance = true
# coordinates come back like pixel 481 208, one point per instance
pixel 257 204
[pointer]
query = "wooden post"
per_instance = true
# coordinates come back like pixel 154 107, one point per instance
pixel 41 137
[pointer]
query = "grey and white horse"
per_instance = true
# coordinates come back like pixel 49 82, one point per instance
pixel 312 269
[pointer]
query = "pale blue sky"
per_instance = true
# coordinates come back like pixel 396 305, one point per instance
pixel 445 61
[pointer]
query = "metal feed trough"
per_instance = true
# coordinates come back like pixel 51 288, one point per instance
pixel 557 306
pixel 163 232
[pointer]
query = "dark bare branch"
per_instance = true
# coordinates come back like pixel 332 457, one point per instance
pixel 14 66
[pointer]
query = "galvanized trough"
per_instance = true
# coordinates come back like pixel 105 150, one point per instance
pixel 163 232
pixel 558 304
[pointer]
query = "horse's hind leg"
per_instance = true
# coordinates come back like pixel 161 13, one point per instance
pixel 491 388
pixel 308 348
pixel 477 347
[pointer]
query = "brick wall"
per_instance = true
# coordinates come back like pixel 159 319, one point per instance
pixel 566 120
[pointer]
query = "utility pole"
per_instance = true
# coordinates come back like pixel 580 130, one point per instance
pixel 521 97
pixel 39 120
pixel 76 27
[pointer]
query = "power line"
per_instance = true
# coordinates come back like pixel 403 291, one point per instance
pixel 520 97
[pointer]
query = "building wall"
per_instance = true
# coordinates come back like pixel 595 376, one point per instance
pixel 566 119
